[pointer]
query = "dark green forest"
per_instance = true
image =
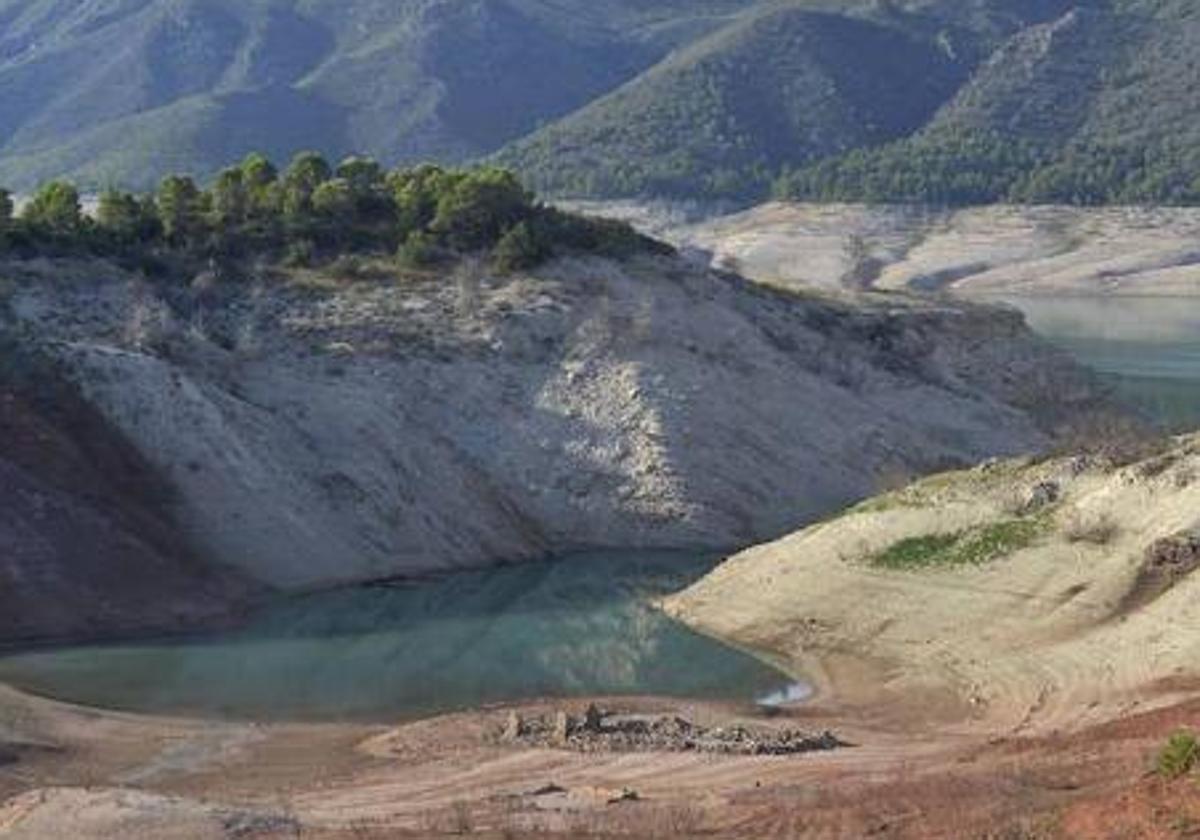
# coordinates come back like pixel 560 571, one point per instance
pixel 309 213
pixel 984 168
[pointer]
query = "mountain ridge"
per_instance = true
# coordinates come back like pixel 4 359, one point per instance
pixel 991 100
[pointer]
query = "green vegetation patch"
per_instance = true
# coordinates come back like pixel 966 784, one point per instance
pixel 971 547
pixel 344 218
pixel 1178 756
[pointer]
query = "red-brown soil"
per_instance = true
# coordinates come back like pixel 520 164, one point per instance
pixel 447 777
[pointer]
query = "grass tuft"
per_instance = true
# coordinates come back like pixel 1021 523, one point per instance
pixel 1178 756
pixel 972 547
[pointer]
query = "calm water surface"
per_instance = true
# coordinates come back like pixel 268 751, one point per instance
pixel 1148 348
pixel 576 627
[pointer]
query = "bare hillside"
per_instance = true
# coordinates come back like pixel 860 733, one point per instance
pixel 317 430
pixel 985 250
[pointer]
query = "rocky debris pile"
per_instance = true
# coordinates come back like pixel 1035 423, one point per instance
pixel 1038 497
pixel 239 824
pixel 1168 561
pixel 604 731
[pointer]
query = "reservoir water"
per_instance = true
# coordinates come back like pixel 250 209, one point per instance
pixel 575 627
pixel 1147 348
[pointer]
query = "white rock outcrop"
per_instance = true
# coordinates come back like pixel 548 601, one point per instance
pixel 349 431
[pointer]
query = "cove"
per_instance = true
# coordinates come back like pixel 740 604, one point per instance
pixel 1147 348
pixel 577 626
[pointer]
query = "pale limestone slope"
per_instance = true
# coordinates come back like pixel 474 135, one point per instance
pixel 366 430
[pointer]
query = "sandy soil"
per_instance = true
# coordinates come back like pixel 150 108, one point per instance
pixel 1071 624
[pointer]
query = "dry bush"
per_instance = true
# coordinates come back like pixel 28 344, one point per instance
pixel 1013 501
pixel 1185 477
pixel 1094 530
pixel 1023 501
pixel 677 821
pixel 653 822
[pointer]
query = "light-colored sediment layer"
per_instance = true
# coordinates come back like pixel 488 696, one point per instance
pixel 1071 625
pixel 317 430
pixel 986 250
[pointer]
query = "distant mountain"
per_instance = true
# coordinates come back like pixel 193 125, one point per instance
pixel 124 90
pixel 1097 105
pixel 943 100
pixel 719 117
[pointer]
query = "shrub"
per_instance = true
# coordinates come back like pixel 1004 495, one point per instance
pixel 423 214
pixel 476 210
pixel 419 250
pixel 519 249
pixel 299 254
pixel 348 267
pixel 1095 530
pixel 1178 756
pixel 609 237
pixel 55 208
pixel 917 552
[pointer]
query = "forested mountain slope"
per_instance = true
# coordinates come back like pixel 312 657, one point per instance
pixel 124 90
pixel 1086 101
pixel 1095 106
pixel 719 117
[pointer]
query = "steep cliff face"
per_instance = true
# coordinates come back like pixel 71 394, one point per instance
pixel 87 547
pixel 318 433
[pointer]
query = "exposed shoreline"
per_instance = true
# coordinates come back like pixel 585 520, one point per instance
pixel 969 251
pixel 81 773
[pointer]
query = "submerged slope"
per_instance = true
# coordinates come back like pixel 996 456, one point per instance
pixel 1018 594
pixel 1127 251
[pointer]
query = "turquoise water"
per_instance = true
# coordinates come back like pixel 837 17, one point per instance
pixel 576 627
pixel 1147 348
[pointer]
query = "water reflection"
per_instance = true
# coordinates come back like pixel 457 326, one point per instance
pixel 572 628
pixel 1148 348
